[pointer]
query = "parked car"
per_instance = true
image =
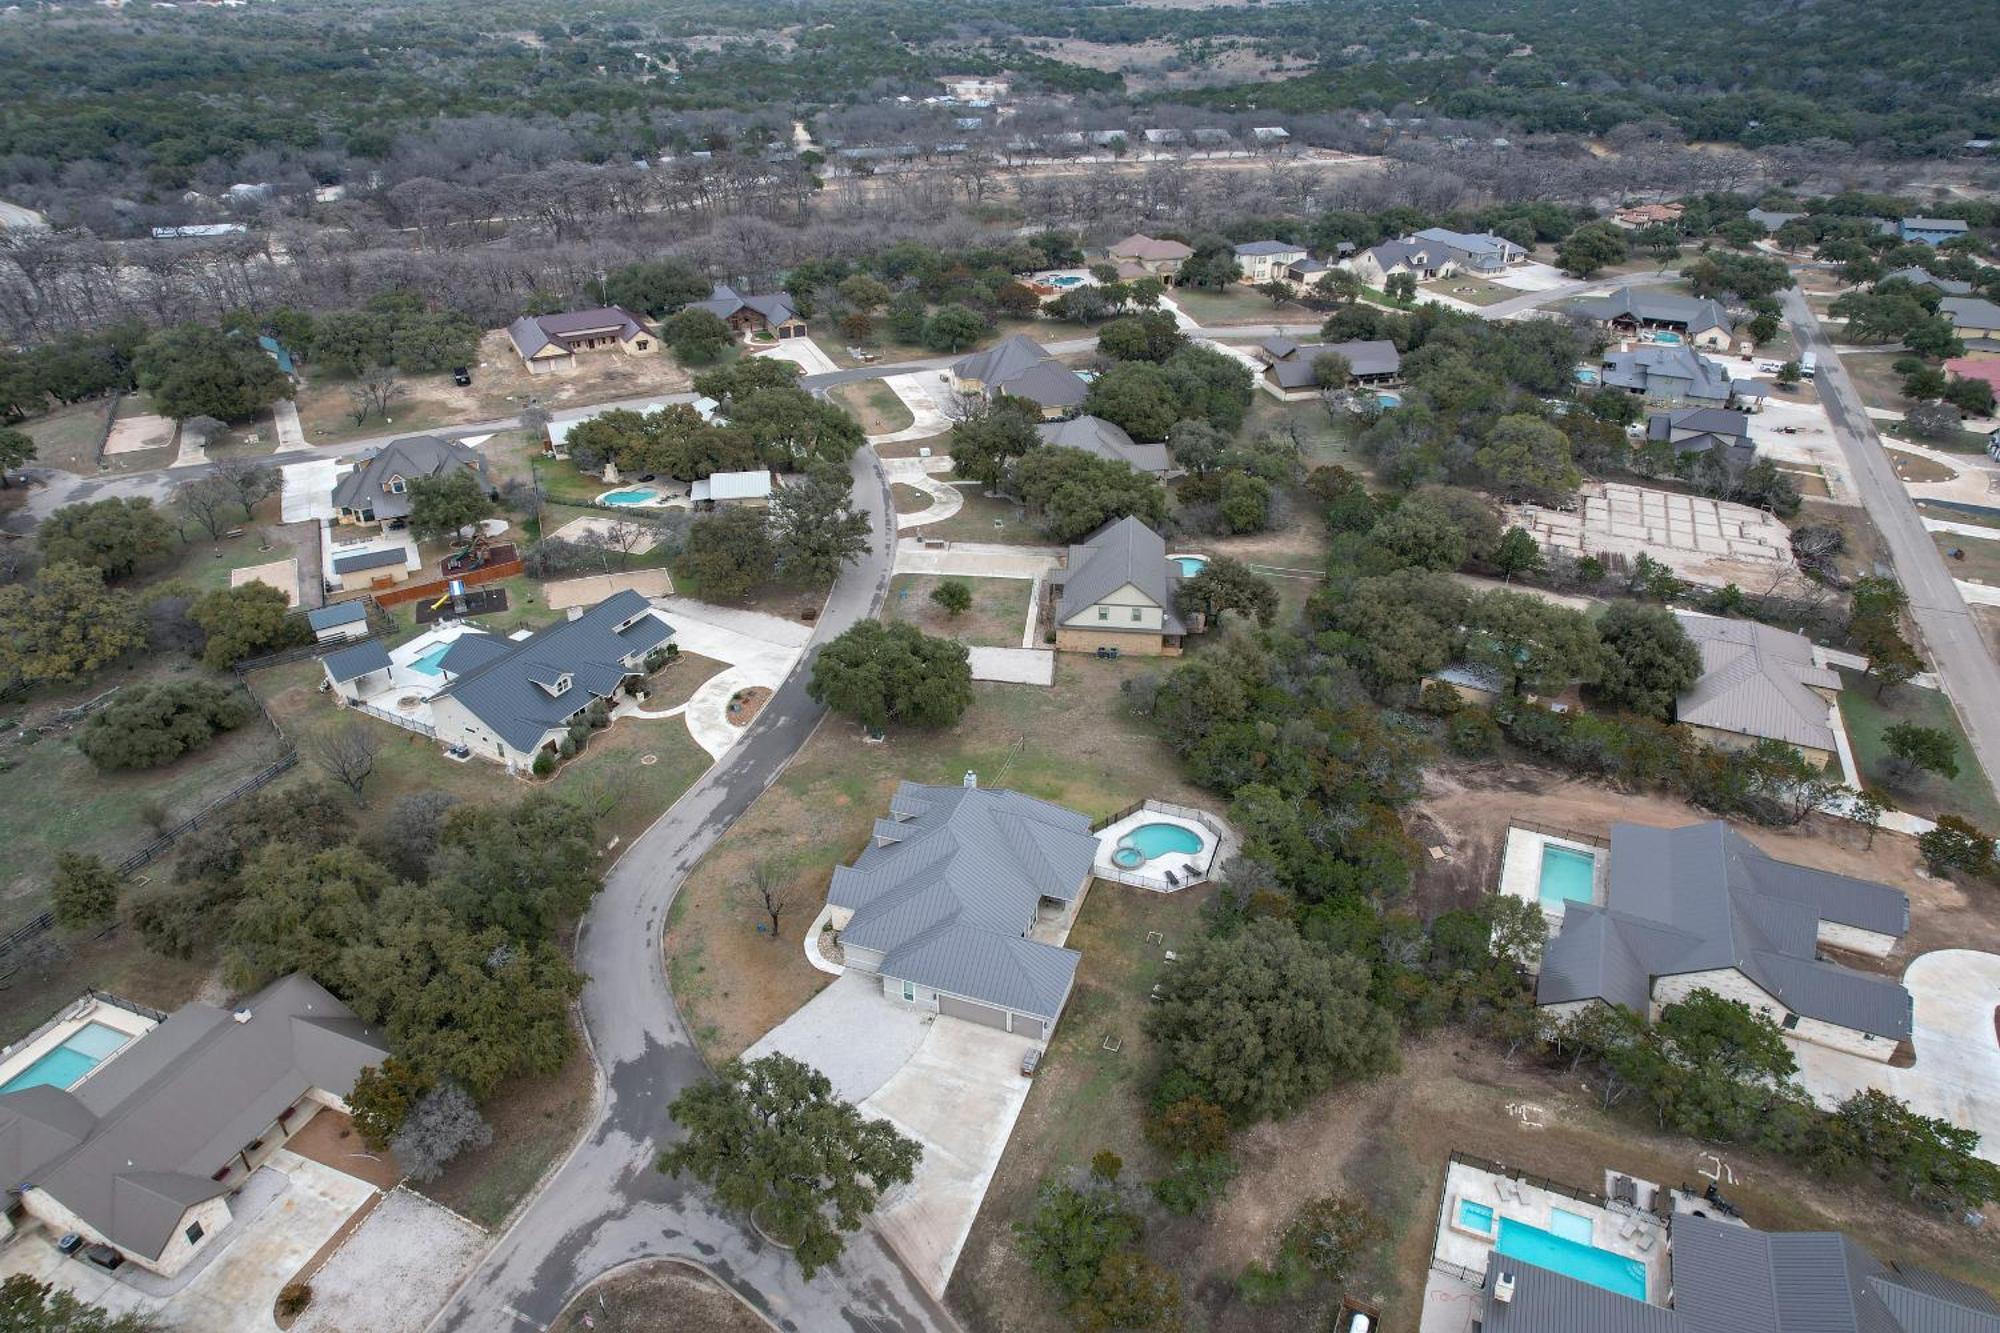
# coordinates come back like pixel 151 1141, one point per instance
pixel 103 1256
pixel 461 375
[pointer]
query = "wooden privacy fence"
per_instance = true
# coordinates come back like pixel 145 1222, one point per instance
pixel 416 592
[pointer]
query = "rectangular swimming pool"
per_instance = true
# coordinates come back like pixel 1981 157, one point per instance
pixel 428 663
pixel 1475 1217
pixel 1572 1226
pixel 1585 1263
pixel 65 1065
pixel 1567 875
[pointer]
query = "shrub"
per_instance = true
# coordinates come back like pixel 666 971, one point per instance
pixel 84 891
pixel 545 764
pixel 1194 1183
pixel 293 1298
pixel 150 725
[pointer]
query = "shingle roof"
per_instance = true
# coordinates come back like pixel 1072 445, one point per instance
pixel 723 301
pixel 1269 248
pixel 1141 246
pixel 1107 440
pixel 1002 361
pixel 376 559
pixel 1702 898
pixel 534 333
pixel 506 689
pixel 1698 421
pixel 150 1127
pixel 1052 384
pixel 412 456
pixel 1640 367
pixel 1121 552
pixel 340 613
pixel 1757 681
pixel 350 663
pixel 1696 313
pixel 1411 253
pixel 949 889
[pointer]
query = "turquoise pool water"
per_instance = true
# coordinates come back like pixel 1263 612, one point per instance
pixel 66 1065
pixel 1585 1263
pixel 1475 1216
pixel 1586 377
pixel 1389 399
pixel 1667 339
pixel 1566 875
pixel 1572 1226
pixel 637 496
pixel 1159 839
pixel 428 663
pixel 1191 565
pixel 1069 280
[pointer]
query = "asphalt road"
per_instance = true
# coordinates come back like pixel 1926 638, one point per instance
pixel 1957 650
pixel 607 1204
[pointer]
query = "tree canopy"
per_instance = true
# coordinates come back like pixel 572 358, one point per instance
pixel 881 675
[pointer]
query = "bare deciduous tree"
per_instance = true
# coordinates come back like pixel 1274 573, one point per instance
pixel 207 501
pixel 771 890
pixel 375 390
pixel 347 754
pixel 249 480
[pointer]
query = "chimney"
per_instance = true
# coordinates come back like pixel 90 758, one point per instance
pixel 576 613
pixel 971 779
pixel 241 1015
pixel 1503 1289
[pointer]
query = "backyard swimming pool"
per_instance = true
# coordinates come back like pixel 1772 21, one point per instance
pixel 1475 1216
pixel 1585 1263
pixel 1586 377
pixel 1567 875
pixel 1147 841
pixel 1387 400
pixel 1067 280
pixel 637 496
pixel 65 1066
pixel 1667 339
pixel 1190 565
pixel 428 663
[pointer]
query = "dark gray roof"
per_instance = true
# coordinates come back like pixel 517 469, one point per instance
pixel 1654 368
pixel 508 690
pixel 377 559
pixel 412 456
pixel 1052 384
pixel 1770 219
pixel 1412 254
pixel 1470 243
pixel 349 663
pixel 1934 224
pixel 1104 439
pixel 1970 312
pixel 1702 898
pixel 150 1127
pixel 775 307
pixel 340 613
pixel 1698 421
pixel 1549 1302
pixel 1644 304
pixel 1759 681
pixel 1920 277
pixel 1002 361
pixel 533 333
pixel 1293 366
pixel 1268 248
pixel 1121 552
pixel 948 890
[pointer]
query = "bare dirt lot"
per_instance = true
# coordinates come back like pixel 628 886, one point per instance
pixel 658 1295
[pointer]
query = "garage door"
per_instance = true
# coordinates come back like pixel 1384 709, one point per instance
pixel 977 1013
pixel 1029 1027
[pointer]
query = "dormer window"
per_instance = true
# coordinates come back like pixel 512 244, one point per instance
pixel 395 486
pixel 555 686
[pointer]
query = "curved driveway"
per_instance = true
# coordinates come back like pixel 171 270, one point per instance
pixel 606 1204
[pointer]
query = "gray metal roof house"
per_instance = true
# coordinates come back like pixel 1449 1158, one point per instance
pixel 1759 683
pixel 1669 374
pixel 1116 591
pixel 1288 365
pixel 1923 277
pixel 945 899
pixel 1107 440
pixel 1729 1278
pixel 1481 252
pixel 378 489
pixel 1021 368
pixel 142 1153
pixel 1635 308
pixel 509 699
pixel 1700 907
pixel 1706 430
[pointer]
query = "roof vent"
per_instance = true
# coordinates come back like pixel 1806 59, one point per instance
pixel 1503 1290
pixel 241 1015
pixel 971 779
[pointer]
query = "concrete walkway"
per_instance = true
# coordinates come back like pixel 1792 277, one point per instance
pixel 760 650
pixel 1961 529
pixel 980 560
pixel 928 418
pixel 921 473
pixel 1013 666
pixel 285 423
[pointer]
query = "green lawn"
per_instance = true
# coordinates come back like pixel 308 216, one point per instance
pixel 1237 304
pixel 995 619
pixel 985 519
pixel 1473 291
pixel 875 405
pixel 1323 437
pixel 1969 796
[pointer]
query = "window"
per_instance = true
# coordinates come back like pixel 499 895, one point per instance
pixel 642 344
pixel 395 485
pixel 909 991
pixel 194 1233
pixel 1138 614
pixel 1791 1022
pixel 1104 613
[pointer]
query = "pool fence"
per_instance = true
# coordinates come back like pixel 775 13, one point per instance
pixel 1472 1277
pixel 1159 883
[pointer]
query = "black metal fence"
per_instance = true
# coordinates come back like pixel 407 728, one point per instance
pixel 262 778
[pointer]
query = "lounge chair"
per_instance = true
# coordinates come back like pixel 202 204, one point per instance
pixel 1644 1241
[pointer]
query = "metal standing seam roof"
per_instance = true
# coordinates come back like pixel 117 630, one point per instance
pixel 377 559
pixel 1696 313
pixel 1124 551
pixel 1757 681
pixel 1637 368
pixel 1471 243
pixel 1293 369
pixel 1249 248
pixel 1934 224
pixel 353 663
pixel 410 457
pixel 724 301
pixel 1106 440
pixel 1970 312
pixel 1711 421
pixel 947 891
pixel 506 691
pixel 340 613
pixel 752 485
pixel 1702 898
pixel 1921 277
pixel 147 1131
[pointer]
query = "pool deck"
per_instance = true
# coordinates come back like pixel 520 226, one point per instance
pixel 1188 867
pixel 1627 1234
pixel 1521 868
pixel 90 1009
pixel 409 690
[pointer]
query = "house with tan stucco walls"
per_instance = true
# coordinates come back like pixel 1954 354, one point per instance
pixel 1702 908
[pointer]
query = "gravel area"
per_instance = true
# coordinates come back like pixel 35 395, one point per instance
pixel 395 1271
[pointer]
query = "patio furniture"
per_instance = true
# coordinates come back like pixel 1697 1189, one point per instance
pixel 1644 1241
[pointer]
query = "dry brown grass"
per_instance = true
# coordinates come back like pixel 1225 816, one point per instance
pixel 995 619
pixel 660 1294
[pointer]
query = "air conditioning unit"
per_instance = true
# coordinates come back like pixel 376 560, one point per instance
pixel 241 1015
pixel 1503 1289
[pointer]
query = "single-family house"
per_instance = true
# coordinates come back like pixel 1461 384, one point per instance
pixel 1210 136
pixel 1975 320
pixel 1923 277
pixel 1706 430
pixel 1107 440
pixel 1289 371
pixel 1668 373
pixel 1422 261
pixel 1929 231
pixel 1638 310
pixel 1759 683
pixel 1116 591
pixel 376 567
pixel 1475 252
pixel 1165 137
pixel 512 700
pixel 144 1147
pixel 1771 219
pixel 1648 215
pixel 1730 1276
pixel 1261 261
pixel 549 343
pixel 1305 272
pixel 719 489
pixel 338 623
pixel 1270 135
pixel 377 489
pixel 946 900
pixel 1702 908
pixel 1020 367
pixel 1150 256
pixel 744 313
pixel 279 353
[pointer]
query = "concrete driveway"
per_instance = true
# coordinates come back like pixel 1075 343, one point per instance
pixel 285 1212
pixel 983 560
pixel 953 1086
pixel 394 1270
pixel 760 650
pixel 1956 1076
